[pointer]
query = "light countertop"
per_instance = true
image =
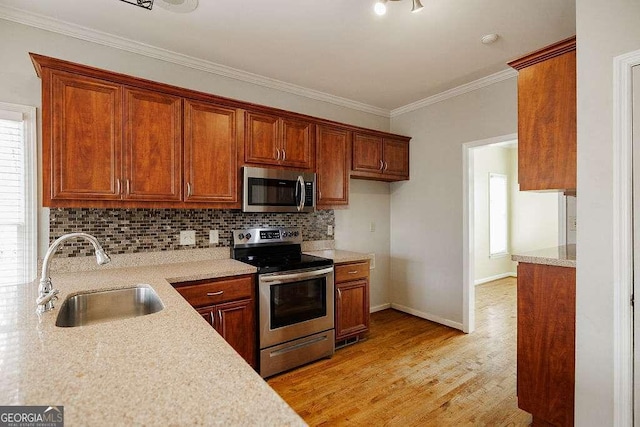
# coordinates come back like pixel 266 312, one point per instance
pixel 339 256
pixel 166 368
pixel 560 256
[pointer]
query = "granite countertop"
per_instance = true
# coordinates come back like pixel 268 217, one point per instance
pixel 560 256
pixel 339 256
pixel 165 368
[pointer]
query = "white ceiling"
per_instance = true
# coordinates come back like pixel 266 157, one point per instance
pixel 339 47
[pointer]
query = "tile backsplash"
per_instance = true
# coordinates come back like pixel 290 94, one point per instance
pixel 122 231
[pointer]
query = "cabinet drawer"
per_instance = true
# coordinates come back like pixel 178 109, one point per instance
pixel 354 271
pixel 204 293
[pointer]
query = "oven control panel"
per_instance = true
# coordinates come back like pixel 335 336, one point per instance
pixel 266 236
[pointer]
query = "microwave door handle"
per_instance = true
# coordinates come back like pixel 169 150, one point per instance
pixel 302 192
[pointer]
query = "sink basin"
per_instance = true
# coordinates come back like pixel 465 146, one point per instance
pixel 104 306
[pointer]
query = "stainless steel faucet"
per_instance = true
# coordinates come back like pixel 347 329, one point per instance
pixel 46 295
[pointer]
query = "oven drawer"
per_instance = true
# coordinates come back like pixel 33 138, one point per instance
pixel 279 358
pixel 209 292
pixel 354 271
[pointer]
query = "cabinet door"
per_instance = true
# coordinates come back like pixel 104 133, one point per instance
pixel 261 139
pixel 367 153
pixel 547 124
pixel 210 153
pixel 153 146
pixel 297 144
pixel 235 321
pixel 207 314
pixel 546 342
pixel 352 308
pixel 332 166
pixel 396 158
pixel 86 139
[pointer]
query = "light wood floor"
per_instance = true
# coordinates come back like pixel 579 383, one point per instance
pixel 414 372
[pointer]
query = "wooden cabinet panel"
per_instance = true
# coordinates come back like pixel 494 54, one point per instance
pixel 332 166
pixel 367 153
pixel 85 138
pixel 547 132
pixel 261 139
pixel 153 146
pixel 546 342
pixel 210 153
pixel 297 144
pixel 235 321
pixel 207 292
pixel 352 308
pixel 396 157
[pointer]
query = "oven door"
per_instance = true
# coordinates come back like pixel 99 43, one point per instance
pixel 295 304
pixel 271 190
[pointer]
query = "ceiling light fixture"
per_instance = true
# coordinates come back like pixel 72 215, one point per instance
pixel 380 8
pixel 147 4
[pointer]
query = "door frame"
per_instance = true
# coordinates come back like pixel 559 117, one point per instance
pixel 623 353
pixel 468 217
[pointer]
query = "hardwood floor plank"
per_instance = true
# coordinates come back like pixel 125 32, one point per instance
pixel 414 372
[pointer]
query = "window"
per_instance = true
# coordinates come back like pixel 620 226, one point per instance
pixel 18 241
pixel 498 215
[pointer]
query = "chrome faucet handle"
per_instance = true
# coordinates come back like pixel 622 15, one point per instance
pixel 45 301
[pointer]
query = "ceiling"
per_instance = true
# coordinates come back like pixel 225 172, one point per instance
pixel 339 47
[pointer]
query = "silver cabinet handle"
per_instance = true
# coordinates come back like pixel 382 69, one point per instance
pixel 188 189
pixel 128 187
pixel 214 294
pixel 339 294
pixel 352 272
pixel 284 155
pixel 386 166
pixel 220 316
pixel 278 151
pixel 212 318
pixel 381 165
pixel 118 189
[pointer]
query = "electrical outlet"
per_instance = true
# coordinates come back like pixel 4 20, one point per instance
pixel 188 237
pixel 573 223
pixel 372 226
pixel 372 261
pixel 329 230
pixel 214 237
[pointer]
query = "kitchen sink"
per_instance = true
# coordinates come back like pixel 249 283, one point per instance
pixel 104 306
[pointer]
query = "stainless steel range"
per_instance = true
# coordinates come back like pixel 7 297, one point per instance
pixel 295 297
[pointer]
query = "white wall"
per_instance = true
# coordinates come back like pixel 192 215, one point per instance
pixel 534 215
pixel 605 29
pixel 19 84
pixel 368 202
pixel 486 160
pixel 426 212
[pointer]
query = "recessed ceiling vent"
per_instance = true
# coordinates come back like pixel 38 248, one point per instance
pixel 178 6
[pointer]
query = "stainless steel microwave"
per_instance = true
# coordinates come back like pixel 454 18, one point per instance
pixel 275 190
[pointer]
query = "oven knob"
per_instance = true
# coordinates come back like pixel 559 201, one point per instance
pixel 285 234
pixel 295 233
pixel 240 236
pixel 248 236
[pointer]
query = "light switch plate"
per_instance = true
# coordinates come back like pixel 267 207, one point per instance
pixel 188 237
pixel 213 237
pixel 329 230
pixel 573 223
pixel 372 226
pixel 372 261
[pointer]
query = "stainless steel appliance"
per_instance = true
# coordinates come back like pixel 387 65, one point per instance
pixel 275 190
pixel 295 298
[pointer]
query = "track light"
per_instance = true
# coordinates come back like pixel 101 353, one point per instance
pixel 380 8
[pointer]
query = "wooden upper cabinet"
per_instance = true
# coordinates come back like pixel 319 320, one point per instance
pixel 272 140
pixel 153 146
pixel 82 138
pixel 380 158
pixel 210 153
pixel 262 144
pixel 332 166
pixel 547 118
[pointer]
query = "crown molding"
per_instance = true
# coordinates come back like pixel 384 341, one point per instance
pixel 456 91
pixel 110 40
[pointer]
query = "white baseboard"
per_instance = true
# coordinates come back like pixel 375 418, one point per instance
pixel 379 307
pixel 492 278
pixel 428 316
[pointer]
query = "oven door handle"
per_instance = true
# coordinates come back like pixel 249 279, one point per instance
pixel 285 278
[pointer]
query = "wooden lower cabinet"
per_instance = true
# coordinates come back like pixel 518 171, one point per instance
pixel 234 319
pixel 352 300
pixel 546 343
